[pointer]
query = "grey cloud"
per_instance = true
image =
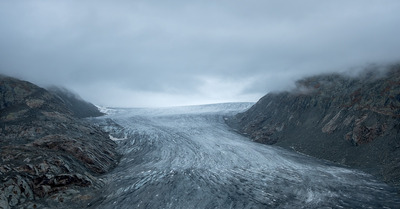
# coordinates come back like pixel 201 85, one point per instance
pixel 180 49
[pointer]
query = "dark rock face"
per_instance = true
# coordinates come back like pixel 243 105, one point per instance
pixel 48 155
pixel 77 105
pixel 352 121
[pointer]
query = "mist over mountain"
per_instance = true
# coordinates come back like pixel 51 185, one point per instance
pixel 155 104
pixel 48 155
pixel 53 157
pixel 352 120
pixel 79 107
pixel 144 53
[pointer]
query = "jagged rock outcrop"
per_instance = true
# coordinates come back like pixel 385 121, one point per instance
pixel 354 121
pixel 47 155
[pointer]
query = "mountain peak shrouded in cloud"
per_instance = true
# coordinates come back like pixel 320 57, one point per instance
pixel 79 107
pixel 148 53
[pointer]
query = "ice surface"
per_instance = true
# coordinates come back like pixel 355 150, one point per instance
pixel 186 157
pixel 222 108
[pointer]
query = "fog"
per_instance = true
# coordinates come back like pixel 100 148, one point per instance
pixel 151 53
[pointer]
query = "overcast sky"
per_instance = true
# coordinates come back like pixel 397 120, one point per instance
pixel 161 53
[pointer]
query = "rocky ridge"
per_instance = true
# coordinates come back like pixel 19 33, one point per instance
pixel 79 107
pixel 354 121
pixel 48 156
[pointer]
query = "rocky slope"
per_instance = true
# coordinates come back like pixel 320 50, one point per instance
pixel 354 121
pixel 48 157
pixel 79 107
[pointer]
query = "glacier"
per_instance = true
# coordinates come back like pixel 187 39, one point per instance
pixel 187 157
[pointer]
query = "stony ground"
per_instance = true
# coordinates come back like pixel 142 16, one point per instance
pixel 48 157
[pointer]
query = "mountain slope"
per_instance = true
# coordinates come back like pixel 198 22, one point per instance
pixel 79 107
pixel 352 121
pixel 47 154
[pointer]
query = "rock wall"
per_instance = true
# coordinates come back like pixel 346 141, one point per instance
pixel 354 121
pixel 48 157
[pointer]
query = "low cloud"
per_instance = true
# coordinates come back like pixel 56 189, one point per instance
pixel 151 53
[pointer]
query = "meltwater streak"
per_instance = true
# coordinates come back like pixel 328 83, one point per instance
pixel 188 158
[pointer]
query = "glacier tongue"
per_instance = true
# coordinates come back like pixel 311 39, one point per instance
pixel 186 157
